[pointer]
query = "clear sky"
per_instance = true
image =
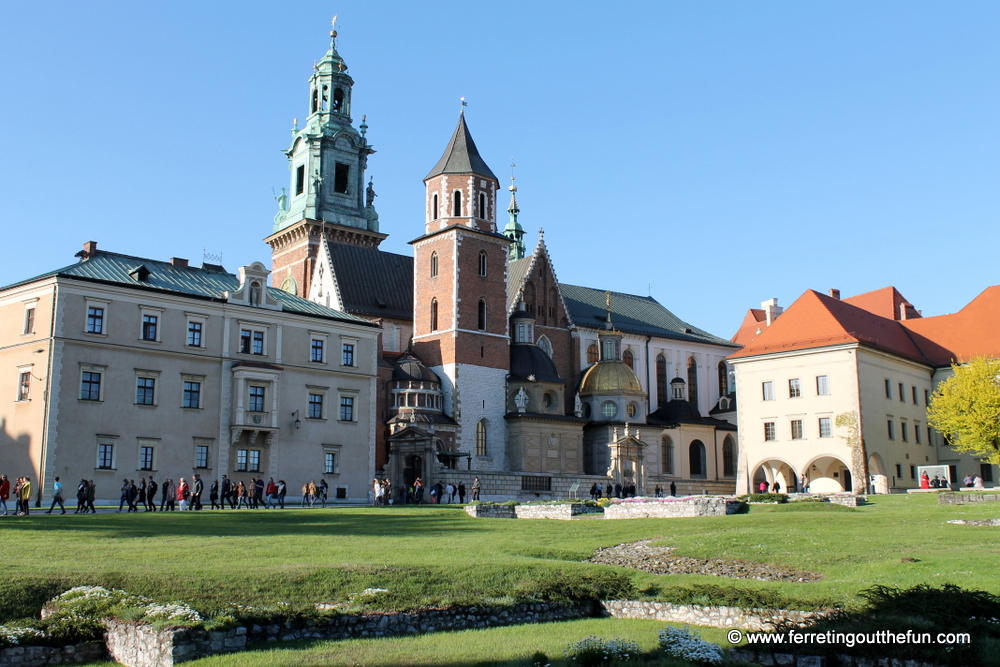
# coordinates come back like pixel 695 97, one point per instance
pixel 711 154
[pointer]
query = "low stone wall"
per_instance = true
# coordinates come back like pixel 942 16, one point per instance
pixel 848 501
pixel 966 498
pixel 491 511
pixel 139 645
pixel 715 617
pixel 668 509
pixel 565 511
pixel 35 656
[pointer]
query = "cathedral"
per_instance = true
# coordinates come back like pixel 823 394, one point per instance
pixel 488 365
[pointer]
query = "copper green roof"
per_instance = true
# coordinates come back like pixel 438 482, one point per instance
pixel 632 314
pixel 204 282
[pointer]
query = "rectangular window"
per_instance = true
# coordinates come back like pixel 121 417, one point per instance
pixel 899 471
pixel 315 406
pixel 796 429
pixel 346 408
pixel 256 403
pixel 927 397
pixel 149 324
pixel 251 342
pixel 316 351
pixel 24 386
pixel 890 429
pixel 330 463
pixel 822 385
pixel 29 320
pixel 201 456
pixel 904 431
pixel 986 472
pixel 888 388
pixel 145 388
pixel 300 179
pixel 930 436
pixel 95 320
pixel 794 388
pixel 913 472
pixel 254 463
pixel 767 389
pixel 192 394
pixel 241 460
pixel 106 456
pixel 902 393
pixel 916 432
pixel 914 395
pixel 194 333
pixel 825 430
pixel 90 386
pixel 769 431
pixel 347 355
pixel 145 458
pixel 258 342
pixel 341 177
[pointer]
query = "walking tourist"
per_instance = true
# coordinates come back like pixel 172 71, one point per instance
pixel 4 492
pixel 476 488
pixel 57 496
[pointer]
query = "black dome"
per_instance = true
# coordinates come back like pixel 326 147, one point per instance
pixel 409 368
pixel 527 359
pixel 675 412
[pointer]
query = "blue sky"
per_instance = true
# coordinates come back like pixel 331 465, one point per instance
pixel 712 154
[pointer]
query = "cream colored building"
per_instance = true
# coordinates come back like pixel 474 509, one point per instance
pixel 834 393
pixel 120 367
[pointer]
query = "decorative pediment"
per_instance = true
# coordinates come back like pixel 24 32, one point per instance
pixel 253 289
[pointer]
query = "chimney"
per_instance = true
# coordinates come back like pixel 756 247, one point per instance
pixel 89 250
pixel 177 261
pixel 771 310
pixel 835 293
pixel 902 310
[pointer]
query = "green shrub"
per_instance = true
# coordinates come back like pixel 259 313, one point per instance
pixel 591 651
pixel 577 586
pixel 712 595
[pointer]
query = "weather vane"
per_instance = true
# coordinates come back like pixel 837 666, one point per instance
pixel 513 186
pixel 333 26
pixel 461 109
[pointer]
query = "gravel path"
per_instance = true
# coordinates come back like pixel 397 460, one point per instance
pixel 660 560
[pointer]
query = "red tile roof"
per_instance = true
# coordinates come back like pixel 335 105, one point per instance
pixel 872 319
pixel 751 326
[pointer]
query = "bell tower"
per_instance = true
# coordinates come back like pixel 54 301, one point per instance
pixel 326 194
pixel 460 297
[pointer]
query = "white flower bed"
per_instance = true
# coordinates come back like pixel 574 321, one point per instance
pixel 687 645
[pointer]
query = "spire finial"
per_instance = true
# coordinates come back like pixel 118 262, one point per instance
pixel 461 109
pixel 333 28
pixel 513 185
pixel 607 304
pixel 364 125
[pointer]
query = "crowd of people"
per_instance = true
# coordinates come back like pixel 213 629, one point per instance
pixel 442 493
pixel 21 492
pixel 600 490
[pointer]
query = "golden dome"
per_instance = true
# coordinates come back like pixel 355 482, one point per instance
pixel 610 377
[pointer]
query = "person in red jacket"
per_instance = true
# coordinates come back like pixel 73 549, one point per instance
pixel 269 492
pixel 182 494
pixel 4 493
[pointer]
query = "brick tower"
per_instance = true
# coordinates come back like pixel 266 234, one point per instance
pixel 460 298
pixel 326 194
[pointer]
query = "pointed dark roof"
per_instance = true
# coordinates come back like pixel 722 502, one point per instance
pixel 461 156
pixel 373 282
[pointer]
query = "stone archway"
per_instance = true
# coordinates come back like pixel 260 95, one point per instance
pixel 878 481
pixel 828 474
pixel 775 470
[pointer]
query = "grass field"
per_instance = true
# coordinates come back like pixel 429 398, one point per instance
pixel 439 555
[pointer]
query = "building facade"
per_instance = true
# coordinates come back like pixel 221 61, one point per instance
pixel 125 367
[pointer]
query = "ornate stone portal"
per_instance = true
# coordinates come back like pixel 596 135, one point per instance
pixel 627 466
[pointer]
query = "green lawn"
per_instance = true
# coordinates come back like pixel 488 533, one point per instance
pixel 439 555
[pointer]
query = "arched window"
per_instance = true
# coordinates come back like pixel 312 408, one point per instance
pixel 592 354
pixel 723 379
pixel 481 438
pixel 543 342
pixel 627 358
pixel 482 262
pixel 728 457
pixel 457 204
pixel 434 314
pixel 482 315
pixel 482 207
pixel 696 457
pixel 338 101
pixel 667 455
pixel 315 101
pixel 434 264
pixel 661 380
pixel 692 383
pixel 434 207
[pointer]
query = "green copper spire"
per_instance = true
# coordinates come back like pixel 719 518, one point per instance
pixel 513 230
